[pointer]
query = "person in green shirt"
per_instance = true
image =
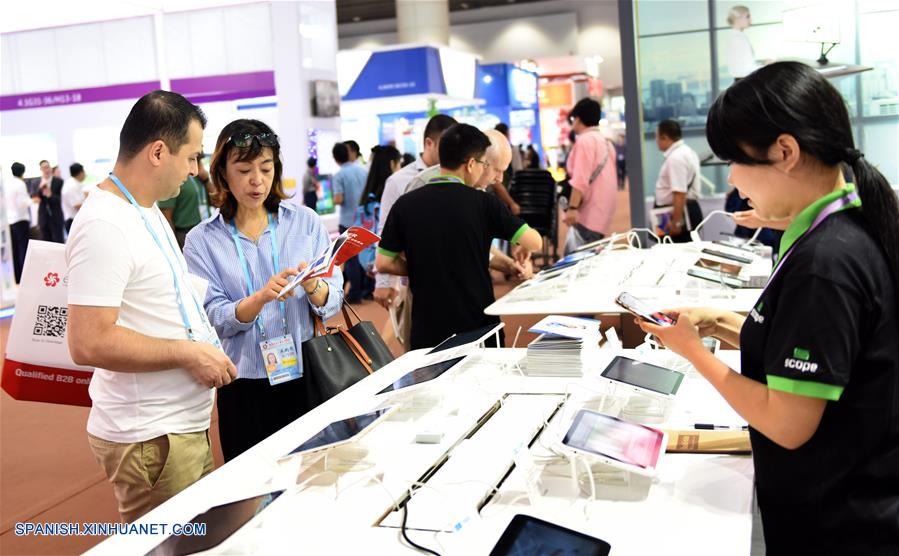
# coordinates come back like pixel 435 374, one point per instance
pixel 190 207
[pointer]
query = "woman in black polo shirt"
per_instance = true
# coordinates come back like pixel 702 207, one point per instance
pixel 820 349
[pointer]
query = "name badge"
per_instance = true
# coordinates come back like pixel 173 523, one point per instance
pixel 279 355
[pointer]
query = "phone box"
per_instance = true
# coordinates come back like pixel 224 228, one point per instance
pixel 708 442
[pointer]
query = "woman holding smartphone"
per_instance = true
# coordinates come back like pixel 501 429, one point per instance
pixel 820 349
pixel 248 253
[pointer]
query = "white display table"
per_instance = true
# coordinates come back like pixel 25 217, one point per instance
pixel 658 275
pixel 698 504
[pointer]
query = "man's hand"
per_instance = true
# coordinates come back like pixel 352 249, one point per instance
pixel 674 227
pixel 210 366
pixel 385 297
pixel 523 271
pixel 571 216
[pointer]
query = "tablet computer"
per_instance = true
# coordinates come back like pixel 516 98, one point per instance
pixel 422 375
pixel 341 432
pixel 473 337
pixel 643 377
pixel 623 444
pixel 220 521
pixel 529 536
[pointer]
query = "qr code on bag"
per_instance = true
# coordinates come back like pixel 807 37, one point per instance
pixel 51 321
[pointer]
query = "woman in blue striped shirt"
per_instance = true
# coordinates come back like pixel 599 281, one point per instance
pixel 248 253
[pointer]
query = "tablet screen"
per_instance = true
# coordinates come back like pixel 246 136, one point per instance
pixel 221 522
pixel 340 431
pixel 422 374
pixel 466 338
pixel 529 536
pixel 615 439
pixel 643 375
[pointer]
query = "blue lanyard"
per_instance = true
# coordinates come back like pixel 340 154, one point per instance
pixel 178 296
pixel 276 259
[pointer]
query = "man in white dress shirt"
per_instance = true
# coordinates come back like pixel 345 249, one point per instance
pixel 18 205
pixel 72 194
pixel 678 184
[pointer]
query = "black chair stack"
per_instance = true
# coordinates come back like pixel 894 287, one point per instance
pixel 536 193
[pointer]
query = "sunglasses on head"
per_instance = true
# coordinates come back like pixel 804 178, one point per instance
pixel 244 140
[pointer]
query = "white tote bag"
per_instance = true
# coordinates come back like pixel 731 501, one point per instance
pixel 38 366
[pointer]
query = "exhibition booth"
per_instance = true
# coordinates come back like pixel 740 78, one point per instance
pixel 583 433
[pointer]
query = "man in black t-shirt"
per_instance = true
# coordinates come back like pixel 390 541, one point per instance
pixel 440 236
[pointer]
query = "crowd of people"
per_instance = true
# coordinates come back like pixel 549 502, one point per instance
pixel 166 329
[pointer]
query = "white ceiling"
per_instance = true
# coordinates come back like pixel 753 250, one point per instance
pixel 38 14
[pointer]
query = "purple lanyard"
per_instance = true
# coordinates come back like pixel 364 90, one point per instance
pixel 831 208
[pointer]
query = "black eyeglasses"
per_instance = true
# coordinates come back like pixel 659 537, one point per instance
pixel 244 140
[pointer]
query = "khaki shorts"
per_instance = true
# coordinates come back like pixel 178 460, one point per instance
pixel 146 474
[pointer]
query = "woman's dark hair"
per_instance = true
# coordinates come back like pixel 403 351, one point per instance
pixel 311 162
pixel 378 173
pixel 794 99
pixel 534 158
pixel 220 158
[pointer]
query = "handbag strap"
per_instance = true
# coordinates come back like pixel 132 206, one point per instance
pixel 346 315
pixel 319 326
pixel 602 165
pixel 357 349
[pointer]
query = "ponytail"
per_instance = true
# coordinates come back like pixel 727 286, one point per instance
pixel 880 209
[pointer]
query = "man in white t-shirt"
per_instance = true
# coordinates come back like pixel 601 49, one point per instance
pixel 72 194
pixel 678 183
pixel 136 314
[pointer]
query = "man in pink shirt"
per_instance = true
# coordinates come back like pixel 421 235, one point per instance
pixel 593 177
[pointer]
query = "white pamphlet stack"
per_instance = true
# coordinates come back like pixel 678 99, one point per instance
pixel 560 348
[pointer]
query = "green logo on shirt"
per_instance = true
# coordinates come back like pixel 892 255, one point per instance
pixel 801 354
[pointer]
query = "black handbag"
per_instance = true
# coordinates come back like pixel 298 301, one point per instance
pixel 332 362
pixel 368 338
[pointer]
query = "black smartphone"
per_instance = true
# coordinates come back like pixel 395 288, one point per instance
pixel 529 536
pixel 639 308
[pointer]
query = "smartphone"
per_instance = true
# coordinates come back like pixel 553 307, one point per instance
pixel 729 256
pixel 732 269
pixel 639 308
pixel 719 277
pixel 529 536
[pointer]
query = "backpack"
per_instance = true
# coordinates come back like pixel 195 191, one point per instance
pixel 367 216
